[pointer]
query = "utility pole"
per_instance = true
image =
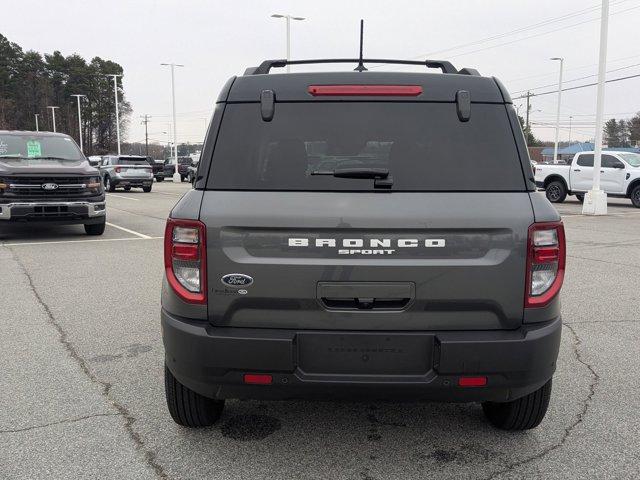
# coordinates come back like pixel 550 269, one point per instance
pixel 78 96
pixel 37 115
pixel 53 115
pixel 528 108
pixel 555 148
pixel 288 19
pixel 176 175
pixel 595 201
pixel 115 93
pixel 146 133
pixel 570 119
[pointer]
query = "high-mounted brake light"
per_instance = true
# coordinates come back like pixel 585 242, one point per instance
pixel 546 257
pixel 365 90
pixel 185 259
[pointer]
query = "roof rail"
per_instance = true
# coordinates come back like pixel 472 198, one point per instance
pixel 267 65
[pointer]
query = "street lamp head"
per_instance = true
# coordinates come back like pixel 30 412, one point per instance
pixel 277 15
pixel 298 18
pixel 557 58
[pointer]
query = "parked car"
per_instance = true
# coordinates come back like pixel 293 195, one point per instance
pixel 183 168
pixel 45 178
pixel 126 171
pixel 192 172
pixel 433 274
pixel 94 160
pixel 619 176
pixel 157 167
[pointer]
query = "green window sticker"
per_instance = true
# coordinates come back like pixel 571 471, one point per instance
pixel 33 149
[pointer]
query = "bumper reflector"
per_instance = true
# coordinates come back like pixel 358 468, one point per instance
pixel 257 379
pixel 472 381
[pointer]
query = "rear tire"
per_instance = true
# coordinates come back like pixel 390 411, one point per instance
pixel 182 178
pixel 109 185
pixel 188 408
pixel 556 191
pixel 95 229
pixel 635 196
pixel 580 197
pixel 126 189
pixel 146 189
pixel 521 414
pixel 159 179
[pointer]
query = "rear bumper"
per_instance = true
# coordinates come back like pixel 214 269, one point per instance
pixel 333 364
pixel 53 211
pixel 132 181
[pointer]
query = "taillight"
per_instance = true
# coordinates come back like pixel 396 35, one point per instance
pixel 546 256
pixel 365 90
pixel 185 259
pixel 118 169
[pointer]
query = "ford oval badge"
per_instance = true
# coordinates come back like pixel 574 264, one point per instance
pixel 49 186
pixel 237 280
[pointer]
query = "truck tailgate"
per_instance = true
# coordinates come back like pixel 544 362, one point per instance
pixel 367 261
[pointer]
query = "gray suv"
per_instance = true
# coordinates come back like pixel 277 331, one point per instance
pixel 126 171
pixel 363 235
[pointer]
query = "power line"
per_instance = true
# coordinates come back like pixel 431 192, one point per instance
pixel 523 29
pixel 582 86
pixel 576 79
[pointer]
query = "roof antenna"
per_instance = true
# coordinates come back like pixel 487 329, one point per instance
pixel 361 67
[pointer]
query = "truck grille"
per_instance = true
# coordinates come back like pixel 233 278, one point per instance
pixel 36 186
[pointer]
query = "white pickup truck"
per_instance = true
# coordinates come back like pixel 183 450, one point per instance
pixel 619 176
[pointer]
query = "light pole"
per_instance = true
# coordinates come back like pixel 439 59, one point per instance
pixel 288 19
pixel 37 115
pixel 53 115
pixel 570 119
pixel 176 175
pixel 595 201
pixel 115 94
pixel 78 96
pixel 555 148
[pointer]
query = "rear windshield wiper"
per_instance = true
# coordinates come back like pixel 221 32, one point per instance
pixel 355 172
pixel 380 175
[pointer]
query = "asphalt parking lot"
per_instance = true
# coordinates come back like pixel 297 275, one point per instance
pixel 82 383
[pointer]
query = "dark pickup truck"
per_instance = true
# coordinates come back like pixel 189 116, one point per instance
pixel 44 177
pixel 183 167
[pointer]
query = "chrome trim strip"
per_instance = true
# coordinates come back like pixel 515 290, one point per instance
pixel 39 186
pixel 5 213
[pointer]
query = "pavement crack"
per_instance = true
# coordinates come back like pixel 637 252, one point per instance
pixel 149 455
pixel 59 422
pixel 604 261
pixel 585 404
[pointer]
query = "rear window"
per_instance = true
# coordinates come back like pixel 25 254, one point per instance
pixel 423 145
pixel 132 161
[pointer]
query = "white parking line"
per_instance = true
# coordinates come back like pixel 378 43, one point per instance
pixel 122 196
pixel 16 244
pixel 132 232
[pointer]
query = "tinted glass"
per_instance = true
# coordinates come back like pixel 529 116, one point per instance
pixel 423 145
pixel 131 161
pixel 609 161
pixel 586 160
pixel 34 147
pixel 632 159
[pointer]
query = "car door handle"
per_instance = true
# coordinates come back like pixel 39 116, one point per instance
pixel 576 170
pixel 601 171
